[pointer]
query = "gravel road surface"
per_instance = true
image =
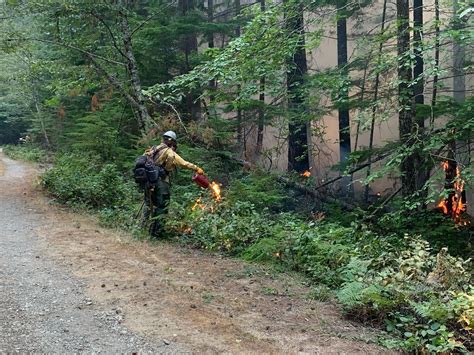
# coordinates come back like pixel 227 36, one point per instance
pixel 43 308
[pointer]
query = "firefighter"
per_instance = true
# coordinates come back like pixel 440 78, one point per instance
pixel 157 196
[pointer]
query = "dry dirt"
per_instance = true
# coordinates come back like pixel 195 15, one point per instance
pixel 169 298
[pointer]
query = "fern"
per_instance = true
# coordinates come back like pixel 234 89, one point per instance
pixel 352 294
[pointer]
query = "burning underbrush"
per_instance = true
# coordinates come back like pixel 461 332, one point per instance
pixel 454 204
pixel 209 204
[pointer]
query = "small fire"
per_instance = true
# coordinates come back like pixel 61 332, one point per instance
pixel 444 206
pixel 445 165
pixel 199 204
pixel 216 194
pixel 306 174
pixel 455 204
pixel 216 191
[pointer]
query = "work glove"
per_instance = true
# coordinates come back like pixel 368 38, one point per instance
pixel 199 171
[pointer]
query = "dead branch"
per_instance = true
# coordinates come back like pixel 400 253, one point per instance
pixel 383 204
pixel 352 171
pixel 113 81
pixel 313 193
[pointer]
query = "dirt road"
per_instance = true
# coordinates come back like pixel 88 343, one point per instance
pixel 67 285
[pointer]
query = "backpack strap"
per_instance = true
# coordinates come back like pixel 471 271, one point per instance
pixel 158 151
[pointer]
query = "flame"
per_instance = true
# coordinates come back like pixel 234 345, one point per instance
pixel 199 204
pixel 216 191
pixel 455 198
pixel 444 206
pixel 306 174
pixel 445 165
pixel 216 194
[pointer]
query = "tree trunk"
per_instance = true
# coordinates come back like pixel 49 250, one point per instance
pixel 210 44
pixel 240 129
pixel 41 119
pixel 422 169
pixel 418 52
pixel 450 177
pixel 189 46
pixel 344 119
pixel 261 111
pixel 459 53
pixel 405 96
pixel 143 114
pixel 435 79
pixel 374 107
pixel 298 157
pixel 460 154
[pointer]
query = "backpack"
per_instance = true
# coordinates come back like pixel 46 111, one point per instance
pixel 146 171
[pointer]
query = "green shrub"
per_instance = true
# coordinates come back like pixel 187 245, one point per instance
pixel 262 191
pixel 318 250
pixel 84 182
pixel 264 250
pixel 228 228
pixel 26 152
pixel 415 293
pixel 437 229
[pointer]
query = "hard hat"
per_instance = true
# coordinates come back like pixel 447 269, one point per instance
pixel 170 134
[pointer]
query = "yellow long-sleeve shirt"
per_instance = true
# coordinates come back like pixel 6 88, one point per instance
pixel 169 159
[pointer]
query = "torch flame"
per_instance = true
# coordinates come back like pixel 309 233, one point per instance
pixel 306 174
pixel 216 194
pixel 197 204
pixel 216 191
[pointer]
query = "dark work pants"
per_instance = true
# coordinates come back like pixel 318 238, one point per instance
pixel 157 198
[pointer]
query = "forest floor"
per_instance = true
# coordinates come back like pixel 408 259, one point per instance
pixel 68 285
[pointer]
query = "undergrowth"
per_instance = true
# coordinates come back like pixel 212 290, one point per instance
pixel 27 152
pixel 393 273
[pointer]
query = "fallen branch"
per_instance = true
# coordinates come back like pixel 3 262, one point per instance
pixel 383 204
pixel 350 172
pixel 313 193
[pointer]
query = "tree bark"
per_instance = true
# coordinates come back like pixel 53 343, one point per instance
pixel 435 79
pixel 450 176
pixel 240 129
pixel 189 46
pixel 43 126
pixel 459 53
pixel 210 44
pixel 143 114
pixel 374 107
pixel 344 127
pixel 261 112
pixel 298 157
pixel 405 96
pixel 343 112
pixel 418 52
pixel 422 168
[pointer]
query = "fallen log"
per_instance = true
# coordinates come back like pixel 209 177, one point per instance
pixel 314 193
pixel 352 171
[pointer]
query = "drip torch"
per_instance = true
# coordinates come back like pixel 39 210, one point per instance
pixel 202 181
